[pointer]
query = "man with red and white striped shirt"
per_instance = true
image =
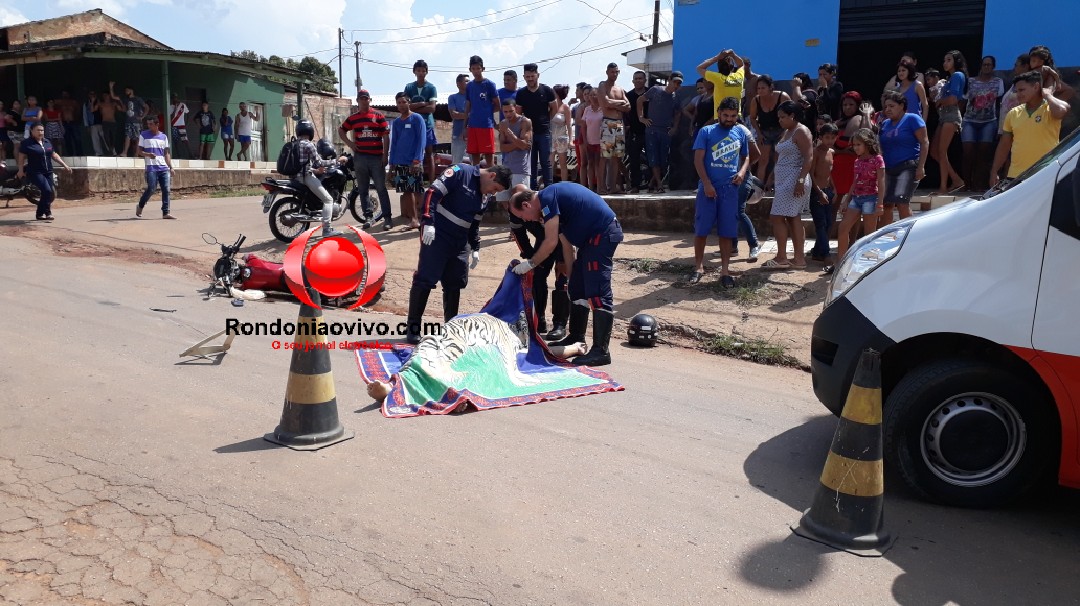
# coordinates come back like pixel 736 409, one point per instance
pixel 370 144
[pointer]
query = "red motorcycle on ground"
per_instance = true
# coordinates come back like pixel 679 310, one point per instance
pixel 251 278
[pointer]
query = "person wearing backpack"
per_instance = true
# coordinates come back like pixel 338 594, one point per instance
pixel 310 166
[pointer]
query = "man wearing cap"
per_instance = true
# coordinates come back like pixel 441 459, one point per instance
pixel 370 144
pixel 660 126
pixel 615 105
pixel 450 226
pixel 575 216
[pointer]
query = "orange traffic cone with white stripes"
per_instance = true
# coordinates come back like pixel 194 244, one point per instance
pixel 848 510
pixel 309 420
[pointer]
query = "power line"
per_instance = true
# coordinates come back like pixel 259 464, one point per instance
pixel 606 17
pixel 487 39
pixel 445 69
pixel 394 29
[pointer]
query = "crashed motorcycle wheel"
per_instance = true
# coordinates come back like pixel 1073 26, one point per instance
pixel 283 223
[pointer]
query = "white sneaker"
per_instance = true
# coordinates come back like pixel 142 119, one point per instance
pixel 754 253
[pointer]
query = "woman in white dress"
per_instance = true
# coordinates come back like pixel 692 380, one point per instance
pixel 560 132
pixel 794 156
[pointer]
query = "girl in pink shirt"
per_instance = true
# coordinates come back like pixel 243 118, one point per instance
pixel 866 200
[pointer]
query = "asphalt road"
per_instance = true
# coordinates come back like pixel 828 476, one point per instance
pixel 128 475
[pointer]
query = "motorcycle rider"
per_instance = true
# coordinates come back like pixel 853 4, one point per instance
pixel 450 225
pixel 313 165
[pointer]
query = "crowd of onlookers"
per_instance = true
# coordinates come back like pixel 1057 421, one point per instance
pixel 108 124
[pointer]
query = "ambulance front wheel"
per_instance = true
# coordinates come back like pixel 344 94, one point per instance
pixel 969 434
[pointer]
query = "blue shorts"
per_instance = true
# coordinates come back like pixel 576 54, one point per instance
pixel 243 138
pixel 431 140
pixel 978 132
pixel 721 212
pixel 867 205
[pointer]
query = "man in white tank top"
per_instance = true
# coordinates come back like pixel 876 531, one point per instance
pixel 245 125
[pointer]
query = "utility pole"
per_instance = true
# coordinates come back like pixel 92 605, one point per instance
pixel 656 23
pixel 356 55
pixel 341 83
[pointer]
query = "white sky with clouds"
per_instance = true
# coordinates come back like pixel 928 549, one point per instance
pixel 506 33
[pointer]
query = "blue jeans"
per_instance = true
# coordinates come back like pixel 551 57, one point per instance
pixel 369 169
pixel 154 179
pixel 541 154
pixel 823 215
pixel 43 181
pixel 657 145
pixel 746 226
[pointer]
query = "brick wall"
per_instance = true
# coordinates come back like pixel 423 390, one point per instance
pixel 74 26
pixel 326 113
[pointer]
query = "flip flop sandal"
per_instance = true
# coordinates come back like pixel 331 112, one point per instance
pixel 696 277
pixel 774 265
pixel 795 266
pixel 727 282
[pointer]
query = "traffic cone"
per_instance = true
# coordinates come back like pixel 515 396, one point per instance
pixel 309 420
pixel 848 510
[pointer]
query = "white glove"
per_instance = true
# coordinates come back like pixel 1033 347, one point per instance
pixel 475 259
pixel 523 268
pixel 428 235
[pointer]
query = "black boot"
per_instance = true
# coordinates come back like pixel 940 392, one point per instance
pixel 418 298
pixel 450 301
pixel 579 321
pixel 560 313
pixel 540 301
pixel 599 354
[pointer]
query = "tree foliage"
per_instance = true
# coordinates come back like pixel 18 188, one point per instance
pixel 322 75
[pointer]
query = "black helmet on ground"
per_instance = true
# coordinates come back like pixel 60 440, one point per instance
pixel 305 128
pixel 643 330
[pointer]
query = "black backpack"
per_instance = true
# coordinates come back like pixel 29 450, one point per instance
pixel 288 160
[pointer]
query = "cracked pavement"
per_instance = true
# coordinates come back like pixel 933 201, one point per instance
pixel 129 476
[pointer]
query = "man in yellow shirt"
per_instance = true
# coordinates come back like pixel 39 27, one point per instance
pixel 728 81
pixel 1031 129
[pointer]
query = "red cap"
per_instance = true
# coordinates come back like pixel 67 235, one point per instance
pixel 363 93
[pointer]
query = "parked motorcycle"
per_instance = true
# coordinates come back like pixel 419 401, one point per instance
pixel 12 187
pixel 293 207
pixel 251 278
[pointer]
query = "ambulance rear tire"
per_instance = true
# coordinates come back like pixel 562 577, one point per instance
pixel 967 433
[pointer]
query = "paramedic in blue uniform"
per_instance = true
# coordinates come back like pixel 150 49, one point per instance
pixel 575 216
pixel 560 300
pixel 449 227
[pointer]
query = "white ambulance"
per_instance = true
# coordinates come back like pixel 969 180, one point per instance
pixel 975 308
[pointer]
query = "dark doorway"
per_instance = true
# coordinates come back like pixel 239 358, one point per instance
pixel 874 33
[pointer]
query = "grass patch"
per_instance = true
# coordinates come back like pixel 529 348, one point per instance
pixel 237 192
pixel 648 266
pixel 753 349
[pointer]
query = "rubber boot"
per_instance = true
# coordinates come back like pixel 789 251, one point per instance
pixel 560 312
pixel 540 301
pixel 599 354
pixel 451 299
pixel 579 321
pixel 418 298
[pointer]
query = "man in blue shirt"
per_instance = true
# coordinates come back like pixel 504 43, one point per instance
pixel 408 137
pixel 452 210
pixel 456 104
pixel 721 157
pixel 660 125
pixel 508 91
pixel 575 216
pixel 422 100
pixel 481 105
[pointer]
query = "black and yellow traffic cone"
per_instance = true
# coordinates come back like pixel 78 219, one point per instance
pixel 309 420
pixel 848 509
